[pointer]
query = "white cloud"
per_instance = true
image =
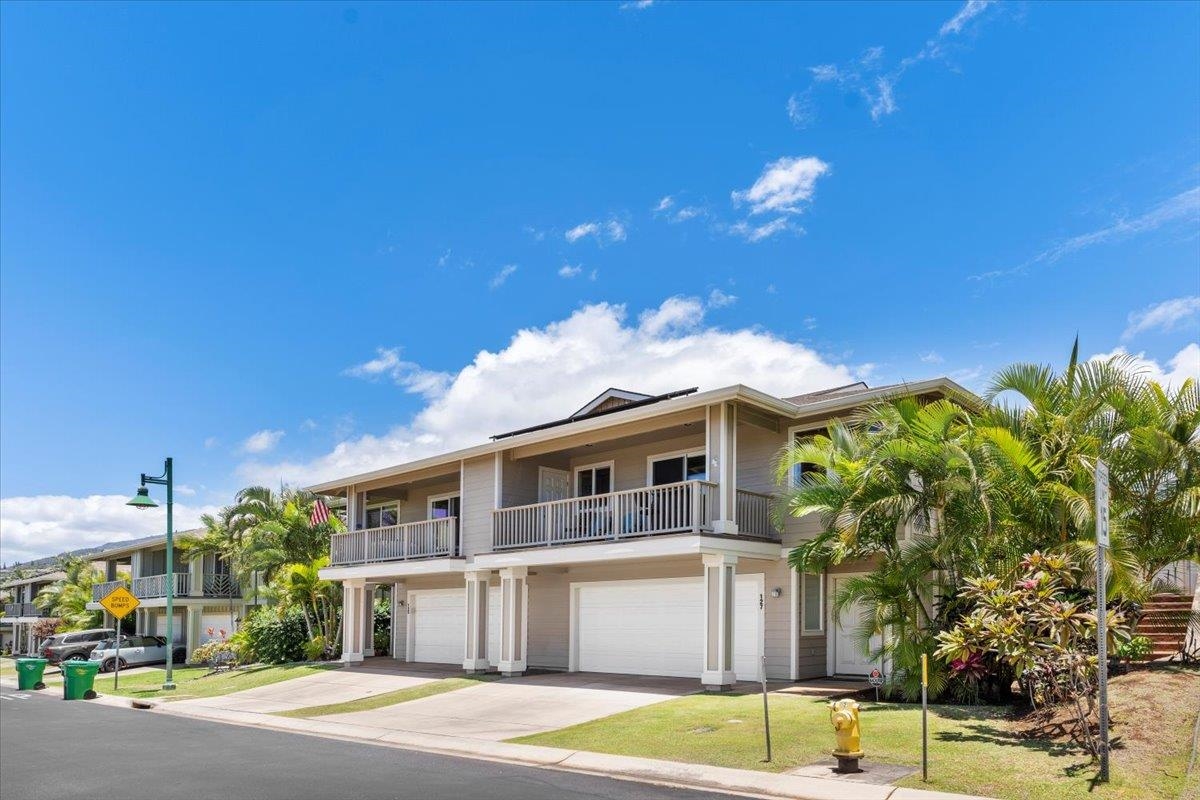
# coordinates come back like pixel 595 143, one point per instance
pixel 545 373
pixel 211 442
pixel 664 204
pixel 44 525
pixel 500 277
pixel 569 271
pixel 1183 207
pixel 810 323
pixel 636 5
pixel 932 357
pixel 719 299
pixel 1181 366
pixel 603 232
pixel 970 10
pixel 406 374
pixel 261 442
pixel 444 258
pixel 801 110
pixel 688 212
pixel 1166 316
pixel 309 425
pixel 784 187
pixel 756 233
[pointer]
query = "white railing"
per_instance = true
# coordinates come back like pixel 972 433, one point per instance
pixel 22 610
pixel 428 538
pixel 102 590
pixel 1183 575
pixel 156 585
pixel 754 513
pixel 221 585
pixel 672 508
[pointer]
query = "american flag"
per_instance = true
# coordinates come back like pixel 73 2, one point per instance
pixel 320 513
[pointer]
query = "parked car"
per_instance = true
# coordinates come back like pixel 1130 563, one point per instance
pixel 73 646
pixel 135 651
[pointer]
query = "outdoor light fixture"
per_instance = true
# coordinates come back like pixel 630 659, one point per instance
pixel 777 592
pixel 143 500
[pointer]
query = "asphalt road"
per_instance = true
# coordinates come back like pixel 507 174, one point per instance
pixel 50 748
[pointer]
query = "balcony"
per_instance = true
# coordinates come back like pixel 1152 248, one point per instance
pixel 156 586
pixel 22 610
pixel 686 507
pixel 217 584
pixel 431 538
pixel 102 590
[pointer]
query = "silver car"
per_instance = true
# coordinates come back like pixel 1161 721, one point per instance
pixel 135 651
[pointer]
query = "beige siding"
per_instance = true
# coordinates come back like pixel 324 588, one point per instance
pixel 416 507
pixel 520 477
pixel 478 500
pixel 629 468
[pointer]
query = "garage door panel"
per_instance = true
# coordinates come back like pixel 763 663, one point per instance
pixel 657 627
pixel 439 625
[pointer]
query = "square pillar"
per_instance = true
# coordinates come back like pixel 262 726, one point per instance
pixel 196 576
pixel 352 618
pixel 191 639
pixel 399 621
pixel 719 580
pixel 475 653
pixel 514 618
pixel 722 464
pixel 368 612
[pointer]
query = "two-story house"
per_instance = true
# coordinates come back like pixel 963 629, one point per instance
pixel 207 596
pixel 634 536
pixel 20 613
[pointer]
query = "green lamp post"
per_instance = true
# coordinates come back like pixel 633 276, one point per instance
pixel 143 500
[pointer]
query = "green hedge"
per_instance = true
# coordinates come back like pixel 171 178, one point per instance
pixel 274 636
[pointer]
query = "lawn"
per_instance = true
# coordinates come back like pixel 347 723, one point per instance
pixel 8 666
pixel 390 698
pixel 972 750
pixel 192 682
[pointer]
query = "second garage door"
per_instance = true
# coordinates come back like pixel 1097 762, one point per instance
pixel 656 627
pixel 437 625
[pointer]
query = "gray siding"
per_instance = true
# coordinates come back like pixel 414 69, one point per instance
pixel 478 501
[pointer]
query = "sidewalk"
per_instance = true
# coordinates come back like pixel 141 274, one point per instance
pixel 775 786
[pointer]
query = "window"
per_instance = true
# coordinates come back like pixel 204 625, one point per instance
pixel 593 479
pixel 799 471
pixel 444 506
pixel 813 603
pixel 382 516
pixel 676 468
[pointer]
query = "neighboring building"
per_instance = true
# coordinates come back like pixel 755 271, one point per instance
pixel 207 596
pixel 16 626
pixel 634 536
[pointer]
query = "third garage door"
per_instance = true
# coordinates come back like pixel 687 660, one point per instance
pixel 656 627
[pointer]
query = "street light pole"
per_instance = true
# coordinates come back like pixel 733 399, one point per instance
pixel 142 500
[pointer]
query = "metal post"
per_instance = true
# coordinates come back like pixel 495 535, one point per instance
pixel 117 658
pixel 763 673
pixel 924 717
pixel 1101 610
pixel 170 682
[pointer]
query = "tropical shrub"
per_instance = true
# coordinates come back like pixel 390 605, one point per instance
pixel 217 653
pixel 1137 648
pixel 1037 627
pixel 382 630
pixel 275 636
pixel 47 626
pixel 315 649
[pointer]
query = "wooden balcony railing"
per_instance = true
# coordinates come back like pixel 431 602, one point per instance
pixel 754 513
pixel 431 538
pixel 101 590
pixel 156 585
pixel 671 508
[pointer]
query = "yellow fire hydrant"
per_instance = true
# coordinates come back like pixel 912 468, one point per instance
pixel 844 716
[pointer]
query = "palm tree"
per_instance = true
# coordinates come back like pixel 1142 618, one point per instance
pixel 223 542
pixel 278 529
pixel 301 585
pixel 68 597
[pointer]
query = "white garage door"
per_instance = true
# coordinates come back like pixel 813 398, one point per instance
pixel 657 627
pixel 438 624
pixel 217 621
pixel 178 633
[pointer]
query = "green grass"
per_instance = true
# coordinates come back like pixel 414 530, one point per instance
pixel 389 698
pixel 8 666
pixel 192 682
pixel 971 750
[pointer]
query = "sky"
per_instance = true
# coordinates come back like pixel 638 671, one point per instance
pixel 285 243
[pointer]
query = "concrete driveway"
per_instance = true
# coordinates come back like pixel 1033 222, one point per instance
pixel 512 707
pixel 321 688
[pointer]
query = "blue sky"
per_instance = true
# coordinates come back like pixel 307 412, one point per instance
pixel 294 241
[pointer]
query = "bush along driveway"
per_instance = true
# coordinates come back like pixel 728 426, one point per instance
pixel 973 750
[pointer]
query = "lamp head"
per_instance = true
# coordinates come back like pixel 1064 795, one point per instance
pixel 142 499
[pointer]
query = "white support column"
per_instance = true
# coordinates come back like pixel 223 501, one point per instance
pixel 192 639
pixel 399 621
pixel 475 654
pixel 720 573
pixel 514 619
pixel 352 508
pixel 352 592
pixel 196 576
pixel 722 457
pixel 368 614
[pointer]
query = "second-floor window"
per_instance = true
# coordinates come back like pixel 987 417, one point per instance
pixel 593 479
pixel 381 516
pixel 678 468
pixel 442 507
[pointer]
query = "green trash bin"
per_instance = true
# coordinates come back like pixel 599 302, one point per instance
pixel 29 673
pixel 78 679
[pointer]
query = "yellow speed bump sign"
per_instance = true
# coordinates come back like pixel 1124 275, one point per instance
pixel 119 602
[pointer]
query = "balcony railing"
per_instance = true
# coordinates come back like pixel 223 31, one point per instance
pixel 221 585
pixel 671 508
pixel 22 610
pixel 102 590
pixel 156 585
pixel 754 513
pixel 431 538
